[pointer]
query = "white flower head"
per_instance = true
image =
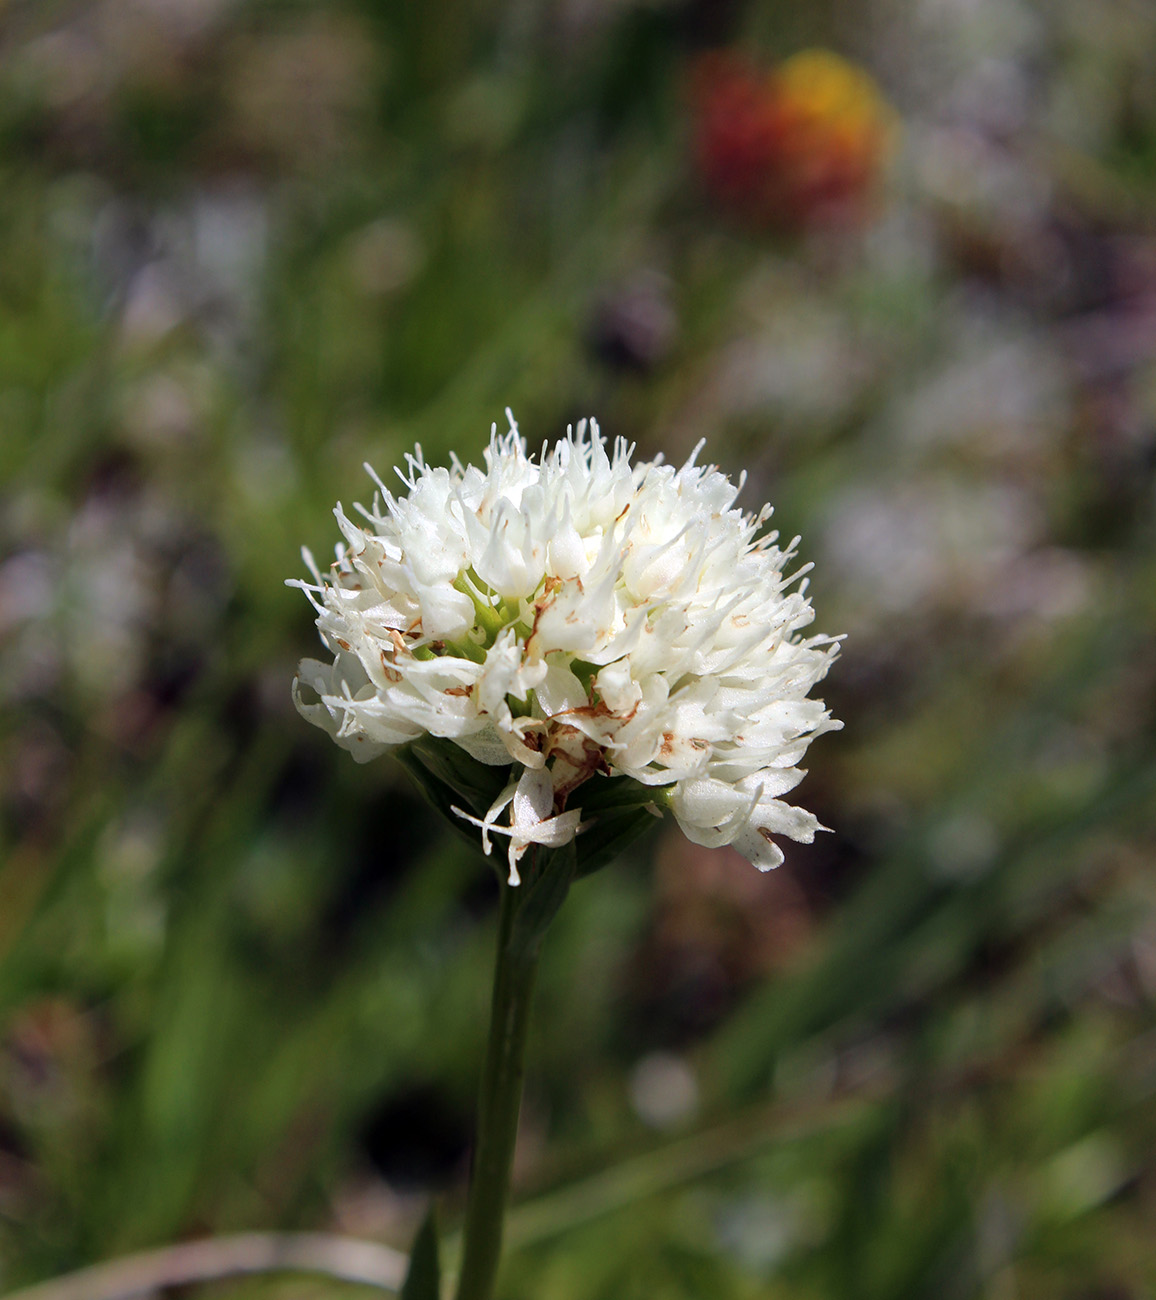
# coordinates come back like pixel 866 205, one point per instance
pixel 572 617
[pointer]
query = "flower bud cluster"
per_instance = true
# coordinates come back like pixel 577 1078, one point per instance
pixel 572 617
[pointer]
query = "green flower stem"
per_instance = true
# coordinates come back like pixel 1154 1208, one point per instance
pixel 499 1101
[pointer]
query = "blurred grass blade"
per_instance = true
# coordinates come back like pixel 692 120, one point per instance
pixel 423 1280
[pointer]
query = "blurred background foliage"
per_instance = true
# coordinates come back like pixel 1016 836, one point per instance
pixel 912 290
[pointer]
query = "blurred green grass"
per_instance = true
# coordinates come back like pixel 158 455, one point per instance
pixel 243 981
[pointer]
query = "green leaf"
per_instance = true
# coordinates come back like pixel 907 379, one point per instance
pixel 617 809
pixel 611 834
pixel 439 795
pixel 602 792
pixel 474 785
pixel 423 1280
pixel 616 806
pixel 541 897
pixel 447 780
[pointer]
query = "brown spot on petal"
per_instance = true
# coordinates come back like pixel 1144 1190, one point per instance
pixel 457 690
pixel 599 710
pixel 577 751
pixel 391 673
pixel 543 603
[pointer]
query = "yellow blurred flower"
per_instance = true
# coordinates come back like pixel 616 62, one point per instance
pixel 804 143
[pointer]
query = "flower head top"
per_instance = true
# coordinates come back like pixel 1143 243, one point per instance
pixel 574 617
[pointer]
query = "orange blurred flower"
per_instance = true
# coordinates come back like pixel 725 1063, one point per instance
pixel 801 144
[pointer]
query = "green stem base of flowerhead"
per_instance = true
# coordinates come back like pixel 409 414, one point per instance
pixel 499 1100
